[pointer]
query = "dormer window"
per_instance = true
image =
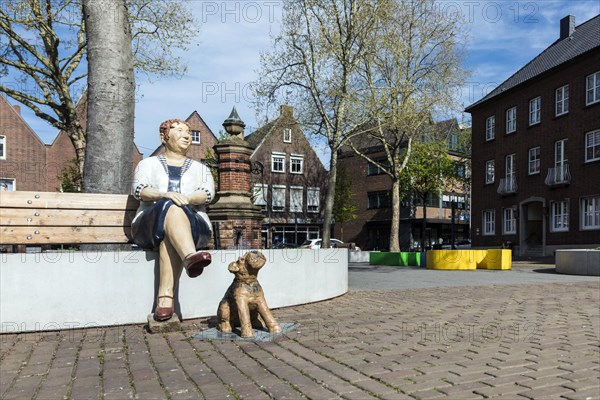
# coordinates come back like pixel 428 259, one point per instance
pixel 287 135
pixel 195 136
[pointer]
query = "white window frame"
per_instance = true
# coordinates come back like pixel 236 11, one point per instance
pixel 562 100
pixel 559 216
pixel 535 111
pixel 296 157
pixel 296 203
pixel 510 172
pixel 9 181
pixel 313 199
pixel 490 178
pixel 195 137
pixel 3 147
pixel 511 120
pixel 260 195
pixel 592 146
pixel 489 222
pixel 287 135
pixel 560 158
pixel 276 205
pixel 490 127
pixel 534 161
pixel 276 159
pixel 509 221
pixel 592 88
pixel 590 213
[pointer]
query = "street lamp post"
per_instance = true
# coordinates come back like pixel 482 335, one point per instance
pixel 452 224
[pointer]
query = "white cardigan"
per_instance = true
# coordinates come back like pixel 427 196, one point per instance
pixel 153 172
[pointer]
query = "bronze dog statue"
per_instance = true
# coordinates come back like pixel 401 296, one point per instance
pixel 244 301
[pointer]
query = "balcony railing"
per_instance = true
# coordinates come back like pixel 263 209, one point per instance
pixel 558 176
pixel 507 186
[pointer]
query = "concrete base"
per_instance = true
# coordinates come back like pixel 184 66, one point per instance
pixel 578 262
pixel 358 256
pixel 259 335
pixel 55 291
pixel 171 325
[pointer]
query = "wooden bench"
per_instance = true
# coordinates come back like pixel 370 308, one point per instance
pixel 35 218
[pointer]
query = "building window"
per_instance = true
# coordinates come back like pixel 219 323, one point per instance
pixel 373 169
pixel 510 173
pixel 592 86
pixel 196 137
pixel 2 147
pixel 590 212
pixel 511 120
pixel 278 162
pixel 259 195
pixel 559 214
pixel 534 161
pixel 490 127
pixel 560 159
pixel 490 174
pixel 535 107
pixel 562 100
pixel 592 146
pixel 378 200
pixel 296 194
pixel 287 135
pixel 509 221
pixel 7 184
pixel 489 222
pixel 278 203
pixel 313 199
pixel 296 164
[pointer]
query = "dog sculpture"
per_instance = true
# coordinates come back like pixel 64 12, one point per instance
pixel 244 301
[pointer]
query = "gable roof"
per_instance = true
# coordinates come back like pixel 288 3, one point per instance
pixel 259 135
pixel 585 38
pixel 16 113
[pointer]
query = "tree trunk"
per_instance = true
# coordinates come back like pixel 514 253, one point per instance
pixel 111 97
pixel 329 199
pixel 395 229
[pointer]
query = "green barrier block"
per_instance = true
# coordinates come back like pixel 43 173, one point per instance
pixel 384 258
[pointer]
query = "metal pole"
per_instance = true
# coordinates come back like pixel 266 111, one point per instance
pixel 452 226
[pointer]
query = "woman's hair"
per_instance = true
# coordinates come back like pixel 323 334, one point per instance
pixel 166 126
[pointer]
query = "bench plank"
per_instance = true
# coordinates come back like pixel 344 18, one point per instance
pixel 63 234
pixel 82 201
pixel 62 217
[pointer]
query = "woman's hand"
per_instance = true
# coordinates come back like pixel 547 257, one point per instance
pixel 177 198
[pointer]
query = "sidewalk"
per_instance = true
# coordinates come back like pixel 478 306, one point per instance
pixel 513 341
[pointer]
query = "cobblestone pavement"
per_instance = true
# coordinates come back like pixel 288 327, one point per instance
pixel 513 341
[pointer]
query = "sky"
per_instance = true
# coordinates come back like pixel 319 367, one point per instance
pixel 224 59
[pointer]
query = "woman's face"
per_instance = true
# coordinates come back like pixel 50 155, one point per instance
pixel 179 138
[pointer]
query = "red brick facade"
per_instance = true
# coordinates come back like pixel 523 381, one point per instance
pixel 540 223
pixel 288 223
pixel 27 161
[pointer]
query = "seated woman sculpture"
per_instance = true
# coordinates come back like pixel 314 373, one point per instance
pixel 173 191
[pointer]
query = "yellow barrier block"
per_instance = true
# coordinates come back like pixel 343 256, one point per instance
pixel 450 259
pixel 497 259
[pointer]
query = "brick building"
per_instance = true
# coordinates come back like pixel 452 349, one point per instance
pixel 26 162
pixel 292 182
pixel 371 228
pixel 536 149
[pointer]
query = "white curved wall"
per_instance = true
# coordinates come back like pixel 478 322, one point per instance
pixel 51 291
pixel 578 262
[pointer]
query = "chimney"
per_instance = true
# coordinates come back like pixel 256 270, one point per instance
pixel 567 26
pixel 285 110
pixel 17 108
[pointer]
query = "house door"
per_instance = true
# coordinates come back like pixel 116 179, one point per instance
pixel 532 233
